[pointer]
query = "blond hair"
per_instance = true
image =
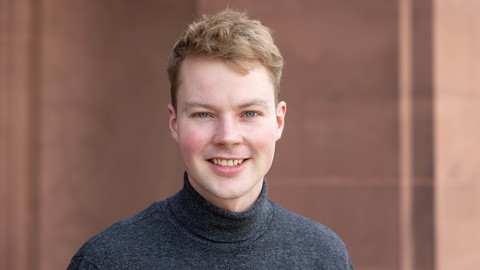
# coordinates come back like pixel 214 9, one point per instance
pixel 232 36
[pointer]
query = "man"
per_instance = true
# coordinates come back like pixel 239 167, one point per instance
pixel 226 118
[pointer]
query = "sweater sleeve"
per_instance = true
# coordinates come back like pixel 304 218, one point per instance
pixel 79 263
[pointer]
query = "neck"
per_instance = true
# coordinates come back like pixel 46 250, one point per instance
pixel 235 204
pixel 210 222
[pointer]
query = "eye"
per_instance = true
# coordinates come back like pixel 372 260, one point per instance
pixel 202 115
pixel 250 114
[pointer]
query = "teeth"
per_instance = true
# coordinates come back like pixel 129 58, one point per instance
pixel 227 163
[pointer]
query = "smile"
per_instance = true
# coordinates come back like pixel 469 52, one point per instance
pixel 227 162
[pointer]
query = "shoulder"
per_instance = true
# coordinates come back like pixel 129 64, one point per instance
pixel 130 228
pixel 292 223
pixel 310 237
pixel 129 236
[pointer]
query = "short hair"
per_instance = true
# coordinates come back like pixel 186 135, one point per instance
pixel 230 35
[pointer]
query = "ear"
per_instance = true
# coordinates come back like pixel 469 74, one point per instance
pixel 281 111
pixel 172 122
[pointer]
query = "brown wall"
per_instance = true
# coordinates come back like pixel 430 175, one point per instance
pixel 380 141
pixel 457 130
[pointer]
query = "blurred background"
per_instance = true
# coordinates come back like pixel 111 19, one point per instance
pixel 382 138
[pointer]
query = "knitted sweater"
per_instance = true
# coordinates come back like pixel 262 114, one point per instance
pixel 187 232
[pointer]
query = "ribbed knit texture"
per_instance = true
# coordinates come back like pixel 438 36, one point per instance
pixel 187 232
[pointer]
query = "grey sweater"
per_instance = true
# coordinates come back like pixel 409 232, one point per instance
pixel 187 232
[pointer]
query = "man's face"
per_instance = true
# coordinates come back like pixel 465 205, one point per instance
pixel 226 125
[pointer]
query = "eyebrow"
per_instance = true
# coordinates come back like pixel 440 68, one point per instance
pixel 195 104
pixel 255 102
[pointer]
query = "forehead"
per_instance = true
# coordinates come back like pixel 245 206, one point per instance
pixel 208 79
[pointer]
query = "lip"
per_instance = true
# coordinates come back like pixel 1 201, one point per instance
pixel 228 170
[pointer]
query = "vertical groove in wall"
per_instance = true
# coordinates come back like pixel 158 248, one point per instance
pixel 5 63
pixel 422 144
pixel 34 124
pixel 405 117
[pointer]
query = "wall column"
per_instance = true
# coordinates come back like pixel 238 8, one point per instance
pixel 18 134
pixel 457 134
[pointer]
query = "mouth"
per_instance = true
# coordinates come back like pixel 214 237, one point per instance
pixel 226 162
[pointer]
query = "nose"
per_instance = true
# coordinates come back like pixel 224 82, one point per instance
pixel 227 132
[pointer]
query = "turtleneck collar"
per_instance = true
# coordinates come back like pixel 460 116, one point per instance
pixel 210 222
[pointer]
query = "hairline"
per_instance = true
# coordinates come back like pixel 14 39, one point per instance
pixel 206 57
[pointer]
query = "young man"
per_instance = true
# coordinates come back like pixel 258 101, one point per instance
pixel 226 118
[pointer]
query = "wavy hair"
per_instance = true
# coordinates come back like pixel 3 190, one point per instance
pixel 230 35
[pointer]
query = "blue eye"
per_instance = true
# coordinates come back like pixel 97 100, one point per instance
pixel 202 115
pixel 250 114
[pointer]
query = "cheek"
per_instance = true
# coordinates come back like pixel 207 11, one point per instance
pixel 264 141
pixel 191 141
pixel 264 148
